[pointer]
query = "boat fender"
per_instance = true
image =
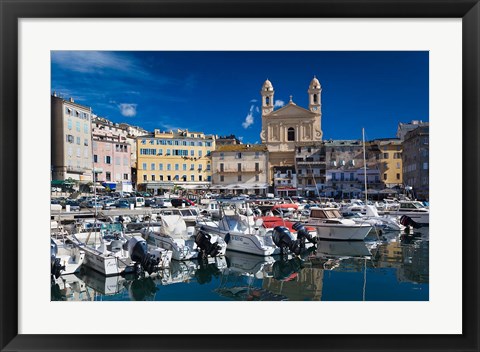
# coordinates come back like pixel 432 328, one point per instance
pixel 227 238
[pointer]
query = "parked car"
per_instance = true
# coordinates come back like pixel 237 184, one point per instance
pixel 74 205
pixel 122 203
pixel 94 204
pixel 178 202
pixel 108 203
pixel 163 202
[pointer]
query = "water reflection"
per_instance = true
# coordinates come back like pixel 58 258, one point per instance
pixel 393 267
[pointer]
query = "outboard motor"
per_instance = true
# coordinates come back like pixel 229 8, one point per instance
pixel 284 239
pixel 138 251
pixel 55 267
pixel 303 234
pixel 207 248
pixel 408 221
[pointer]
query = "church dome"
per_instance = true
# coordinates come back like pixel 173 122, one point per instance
pixel 267 85
pixel 315 83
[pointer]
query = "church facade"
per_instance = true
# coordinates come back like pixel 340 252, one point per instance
pixel 290 127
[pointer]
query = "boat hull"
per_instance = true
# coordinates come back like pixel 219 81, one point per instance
pixel 342 232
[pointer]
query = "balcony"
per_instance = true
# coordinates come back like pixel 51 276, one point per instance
pixel 76 169
pixel 244 170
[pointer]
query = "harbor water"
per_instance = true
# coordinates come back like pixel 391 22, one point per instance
pixel 394 267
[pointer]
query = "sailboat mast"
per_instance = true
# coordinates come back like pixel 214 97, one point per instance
pixel 364 166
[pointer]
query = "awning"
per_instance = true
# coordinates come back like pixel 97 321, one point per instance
pixel 61 182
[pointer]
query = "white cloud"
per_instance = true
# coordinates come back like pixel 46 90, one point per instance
pixel 253 101
pixel 91 61
pixel 128 110
pixel 240 138
pixel 249 118
pixel 279 103
pixel 257 109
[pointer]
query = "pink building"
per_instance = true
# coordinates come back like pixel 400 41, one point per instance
pixel 111 158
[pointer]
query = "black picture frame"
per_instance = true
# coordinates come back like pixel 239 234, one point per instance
pixel 12 11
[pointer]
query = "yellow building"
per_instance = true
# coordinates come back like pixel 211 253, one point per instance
pixel 390 161
pixel 176 158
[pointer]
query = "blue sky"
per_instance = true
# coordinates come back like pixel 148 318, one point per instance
pixel 219 92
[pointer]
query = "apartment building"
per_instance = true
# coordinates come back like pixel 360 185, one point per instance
pixel 176 158
pixel 240 168
pixel 71 152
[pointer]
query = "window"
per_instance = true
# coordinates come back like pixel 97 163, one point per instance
pixel 192 152
pixel 184 178
pixel 291 134
pixel 125 162
pixel 352 176
pixel 184 167
pixel 199 167
pixel 77 126
pixel 257 178
pixel 95 158
pixel 160 152
pixel 222 178
pixel 68 111
pixel 257 155
pixel 221 167
pixel 152 166
pixel 199 153
pixel 160 167
pixel 334 176
pixel 239 177
pixel 85 152
pixel 425 166
pixel 108 176
pixel 342 177
pixel 192 166
pixel 192 177
pixel 222 156
pixel 69 123
pixel 239 167
pixel 144 166
pixel 161 177
pixel 176 167
pixel 169 178
pixel 209 178
pixel 309 150
pixel 267 101
pixel 125 176
pixel 168 152
pixel 153 177
pixel 238 156
pixel 144 177
pixel 257 167
pixel 398 176
pixel 208 167
pixel 169 167
pixel 85 128
pixel 85 142
pixel 70 138
pixel 108 160
pixel 78 140
pixel 385 155
pixel 397 156
pixel 315 98
pixel 200 177
pixel 78 152
pixel 384 176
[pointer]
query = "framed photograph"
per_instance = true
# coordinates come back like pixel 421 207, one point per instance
pixel 239 176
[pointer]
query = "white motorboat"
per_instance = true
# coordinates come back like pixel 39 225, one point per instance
pixel 240 234
pixel 66 258
pixel 414 210
pixel 110 252
pixel 330 225
pixel 175 236
pixel 381 224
